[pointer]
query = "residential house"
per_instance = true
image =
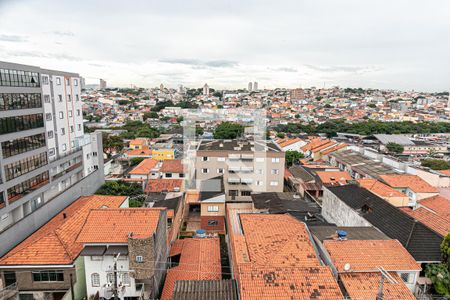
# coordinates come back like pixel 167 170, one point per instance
pixel 163 154
pixel 43 265
pixel 384 191
pixel 412 185
pixel 174 205
pixel 139 143
pixel 145 170
pixel 127 248
pixel 291 144
pixel 172 169
pixel 359 264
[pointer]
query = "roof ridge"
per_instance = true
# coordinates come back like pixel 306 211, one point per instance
pixel 64 245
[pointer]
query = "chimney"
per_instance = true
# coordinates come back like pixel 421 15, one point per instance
pixel 64 216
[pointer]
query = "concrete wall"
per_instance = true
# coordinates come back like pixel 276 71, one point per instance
pixel 336 211
pixel 22 229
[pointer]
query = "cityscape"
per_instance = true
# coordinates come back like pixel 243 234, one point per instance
pixel 213 177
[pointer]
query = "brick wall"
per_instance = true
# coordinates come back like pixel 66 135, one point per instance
pixel 220 226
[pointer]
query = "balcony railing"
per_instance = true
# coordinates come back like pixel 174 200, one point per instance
pixel 69 169
pixel 65 154
pixel 9 291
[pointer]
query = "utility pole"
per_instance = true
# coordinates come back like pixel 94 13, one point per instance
pixel 115 289
pixel 390 279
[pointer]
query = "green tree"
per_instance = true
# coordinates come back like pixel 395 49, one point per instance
pixel 445 250
pixel 120 188
pixel 199 130
pixel 150 115
pixel 395 148
pixel 292 157
pixel 135 161
pixel 147 132
pixel 112 143
pixel 281 135
pixel 439 273
pixel 436 164
pixel 228 130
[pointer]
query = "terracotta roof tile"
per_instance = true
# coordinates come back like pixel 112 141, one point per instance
pixel 145 151
pixel 438 204
pixel 413 182
pixel 172 166
pixel 434 221
pixel 114 225
pixel 365 286
pixel 144 167
pixel 379 188
pixel 367 255
pixel 55 242
pixel 200 260
pixel 334 177
pixel 163 185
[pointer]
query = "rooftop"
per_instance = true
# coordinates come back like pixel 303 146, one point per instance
pixel 144 167
pixel 353 233
pixel 283 202
pixel 413 182
pixel 418 239
pixel 205 289
pixel 200 260
pixel 379 188
pixel 172 166
pixel 368 255
pixel 238 145
pixel 56 243
pixel 163 185
pixel 115 225
pixel 431 219
pixel 333 177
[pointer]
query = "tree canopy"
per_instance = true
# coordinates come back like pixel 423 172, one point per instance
pixel 395 148
pixel 228 130
pixel 292 157
pixel 436 164
pixel 112 143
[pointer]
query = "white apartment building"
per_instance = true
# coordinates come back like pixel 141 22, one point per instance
pixel 45 156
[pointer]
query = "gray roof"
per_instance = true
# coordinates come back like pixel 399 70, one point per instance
pixel 205 290
pixel 244 145
pixel 394 138
pixel 300 172
pixel 353 233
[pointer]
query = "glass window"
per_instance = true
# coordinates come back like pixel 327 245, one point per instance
pixel 13 101
pixel 22 145
pixel 275 159
pixel 110 277
pixel 274 183
pixel 58 80
pixel 213 223
pixel 246 193
pixel 126 279
pixel 95 279
pixel 61 115
pixel 213 208
pixel 60 98
pixel 44 79
pixel 20 123
pixel 75 82
pixel 19 78
pixel 51 275
pixel 47 98
pixel 48 116
pixel 26 165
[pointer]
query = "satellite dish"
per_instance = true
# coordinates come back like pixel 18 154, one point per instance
pixel 347 267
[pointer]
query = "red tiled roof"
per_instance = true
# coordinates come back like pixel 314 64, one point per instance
pixel 379 188
pixel 114 225
pixel 55 242
pixel 438 204
pixel 163 185
pixel 287 142
pixel 172 166
pixel 145 151
pixel 334 177
pixel 365 286
pixel 413 182
pixel 436 222
pixel 200 260
pixel 144 167
pixel 368 255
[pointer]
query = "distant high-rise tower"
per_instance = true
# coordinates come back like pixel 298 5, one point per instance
pixel 297 94
pixel 102 84
pixel 206 89
pixel 448 101
pixel 255 86
pixel 161 87
pixel 249 86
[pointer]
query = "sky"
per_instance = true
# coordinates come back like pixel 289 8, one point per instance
pixel 400 44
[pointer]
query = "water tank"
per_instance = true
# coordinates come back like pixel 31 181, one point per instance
pixel 200 233
pixel 342 234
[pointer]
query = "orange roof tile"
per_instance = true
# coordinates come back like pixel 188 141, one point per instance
pixel 445 172
pixel 55 242
pixel 335 148
pixel 138 142
pixel 172 166
pixel 163 185
pixel 434 221
pixel 413 182
pixel 288 142
pixel 200 260
pixel 114 225
pixel 192 196
pixel 334 177
pixel 379 188
pixel 144 167
pixel 438 204
pixel 367 255
pixel 314 143
pixel 145 151
pixel 365 286
pixel 273 255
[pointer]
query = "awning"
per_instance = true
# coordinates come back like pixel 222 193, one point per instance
pixel 246 180
pixel 93 251
pixel 234 180
pixel 114 250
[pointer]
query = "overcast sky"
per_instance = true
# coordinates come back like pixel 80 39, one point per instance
pixel 398 44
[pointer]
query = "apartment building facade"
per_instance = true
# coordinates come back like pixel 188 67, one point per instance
pixel 246 166
pixel 44 152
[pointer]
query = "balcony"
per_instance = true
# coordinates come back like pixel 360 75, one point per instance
pixel 68 170
pixel 9 292
pixel 67 153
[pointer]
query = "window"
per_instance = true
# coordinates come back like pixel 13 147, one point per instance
pixel 45 80
pixel 69 98
pixel 48 276
pixel 10 77
pixel 246 193
pixel 407 278
pixel 77 98
pixel 47 98
pixel 259 183
pixel 51 151
pixel 12 101
pixel 213 223
pixel 22 145
pixel 126 279
pixel 221 159
pixel 78 112
pixel 25 165
pixel 219 171
pixel 274 183
pixel 232 193
pixel 205 158
pixel 96 258
pixel 61 115
pixel 58 80
pixel 275 159
pixel 205 171
pixel 64 147
pixel 95 279
pixel 275 171
pixel 168 175
pixel 71 128
pixel 70 113
pixel 213 208
pixel 259 159
pixel 110 277
pixel 19 190
pixel 75 82
pixel 21 123
pixel 139 259
pixel 79 127
pixel 67 81
pixel 60 98
pixel 63 131
pixel 259 171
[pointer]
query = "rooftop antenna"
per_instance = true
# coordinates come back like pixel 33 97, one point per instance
pixel 390 279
